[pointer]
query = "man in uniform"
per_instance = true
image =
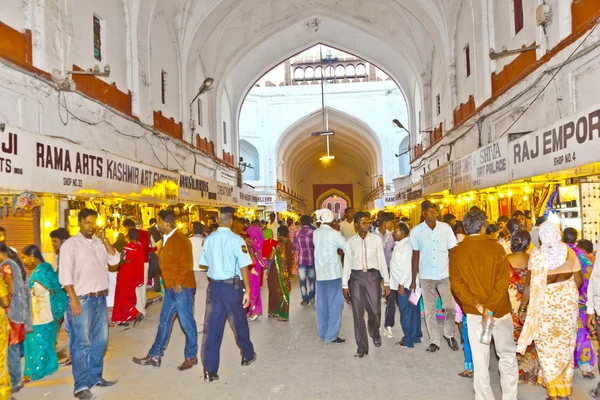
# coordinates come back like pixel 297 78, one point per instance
pixel 228 294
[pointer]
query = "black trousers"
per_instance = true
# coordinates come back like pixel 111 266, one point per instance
pixel 365 289
pixel 390 308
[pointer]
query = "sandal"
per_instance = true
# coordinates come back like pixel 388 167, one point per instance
pixel 466 374
pixel 593 394
pixel 588 375
pixel 138 319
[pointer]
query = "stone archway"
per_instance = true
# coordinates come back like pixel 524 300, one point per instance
pixel 322 192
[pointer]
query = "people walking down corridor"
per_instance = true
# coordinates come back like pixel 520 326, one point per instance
pixel 130 277
pixel 84 260
pixel 49 302
pixel 431 242
pixel 364 270
pixel 585 356
pixel 329 244
pixel 304 248
pixel 400 280
pixel 227 296
pixel 479 274
pixel 551 310
pixel 18 313
pixel 279 276
pixel 176 265
pixel 258 266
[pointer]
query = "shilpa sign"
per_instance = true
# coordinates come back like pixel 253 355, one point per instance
pixel 437 180
pixel 570 142
pixel 483 168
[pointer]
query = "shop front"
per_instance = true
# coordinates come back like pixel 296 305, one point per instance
pixel 408 202
pixel 562 163
pixel 436 187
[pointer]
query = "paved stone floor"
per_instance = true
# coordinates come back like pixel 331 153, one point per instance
pixel 292 364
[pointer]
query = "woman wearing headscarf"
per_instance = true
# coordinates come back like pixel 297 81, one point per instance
pixel 19 313
pixel 550 311
pixel 279 276
pixel 255 245
pixel 49 302
pixel 585 356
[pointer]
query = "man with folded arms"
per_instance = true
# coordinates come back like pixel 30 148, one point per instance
pixel 176 265
pixel 479 274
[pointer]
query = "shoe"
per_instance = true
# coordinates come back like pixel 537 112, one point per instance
pixel 123 324
pixel 377 341
pixel 402 343
pixel 252 317
pixel 66 363
pixel 138 319
pixel 152 361
pixel 18 388
pixel 210 376
pixel 388 333
pixel 303 303
pixel 418 341
pixel 338 340
pixel 452 343
pixel 188 363
pixel 104 383
pixel 360 354
pixel 248 361
pixel 433 348
pixel 312 302
pixel 84 394
pixel 283 319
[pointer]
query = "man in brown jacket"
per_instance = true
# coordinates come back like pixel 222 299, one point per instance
pixel 176 265
pixel 479 277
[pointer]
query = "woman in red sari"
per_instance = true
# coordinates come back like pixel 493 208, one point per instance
pixel 129 277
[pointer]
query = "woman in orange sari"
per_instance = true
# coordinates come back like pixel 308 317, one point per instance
pixel 550 310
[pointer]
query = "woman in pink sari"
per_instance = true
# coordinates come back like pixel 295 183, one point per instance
pixel 255 241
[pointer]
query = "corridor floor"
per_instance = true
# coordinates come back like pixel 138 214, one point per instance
pixel 292 364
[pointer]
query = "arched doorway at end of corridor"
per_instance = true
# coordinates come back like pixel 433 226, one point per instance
pixel 336 204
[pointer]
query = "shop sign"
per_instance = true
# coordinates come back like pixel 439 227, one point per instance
pixel 437 180
pixel 414 192
pixel 247 199
pixel 481 169
pixel 401 197
pixel 268 200
pixel 30 161
pixel 389 200
pixel 570 142
pixel 200 190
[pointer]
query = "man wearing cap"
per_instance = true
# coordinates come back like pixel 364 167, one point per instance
pixel 329 245
pixel 228 294
pixel 176 265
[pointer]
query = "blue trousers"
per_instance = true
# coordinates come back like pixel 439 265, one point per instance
pixel 15 352
pixel 330 303
pixel 466 345
pixel 410 319
pixel 305 271
pixel 88 338
pixel 182 305
pixel 224 302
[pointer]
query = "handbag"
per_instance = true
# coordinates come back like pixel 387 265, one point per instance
pixel 153 265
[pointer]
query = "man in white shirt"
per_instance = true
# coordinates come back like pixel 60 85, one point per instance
pixel 431 242
pixel 400 280
pixel 347 225
pixel 329 245
pixel 273 224
pixel 197 242
pixel 386 224
pixel 364 268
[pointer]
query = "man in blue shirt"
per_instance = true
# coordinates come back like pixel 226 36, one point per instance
pixel 226 256
pixel 431 242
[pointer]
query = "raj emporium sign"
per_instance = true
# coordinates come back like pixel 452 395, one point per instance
pixel 570 142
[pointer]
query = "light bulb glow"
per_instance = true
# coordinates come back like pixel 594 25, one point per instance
pixel 47 224
pixel 326 159
pixel 501 195
pixel 527 189
pixel 491 198
pixel 525 197
pixel 509 193
pixel 99 222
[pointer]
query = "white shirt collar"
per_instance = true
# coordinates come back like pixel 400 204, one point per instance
pixel 168 235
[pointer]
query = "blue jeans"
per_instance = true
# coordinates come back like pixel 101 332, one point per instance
pixel 466 345
pixel 182 305
pixel 410 319
pixel 224 302
pixel 88 337
pixel 303 272
pixel 15 352
pixel 330 303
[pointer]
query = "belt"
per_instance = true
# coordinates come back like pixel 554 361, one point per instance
pixel 230 280
pixel 97 294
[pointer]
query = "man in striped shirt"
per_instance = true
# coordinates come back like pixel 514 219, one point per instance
pixel 305 249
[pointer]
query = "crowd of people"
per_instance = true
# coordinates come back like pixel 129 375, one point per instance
pixel 530 287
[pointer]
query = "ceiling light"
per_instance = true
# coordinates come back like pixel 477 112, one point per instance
pixel 326 158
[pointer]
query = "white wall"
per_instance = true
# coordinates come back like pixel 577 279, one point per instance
pixel 504 28
pixel 164 56
pixel 114 40
pixel 464 35
pixel 226 118
pixel 14 14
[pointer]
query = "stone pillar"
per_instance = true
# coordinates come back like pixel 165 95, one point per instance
pixel 287 72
